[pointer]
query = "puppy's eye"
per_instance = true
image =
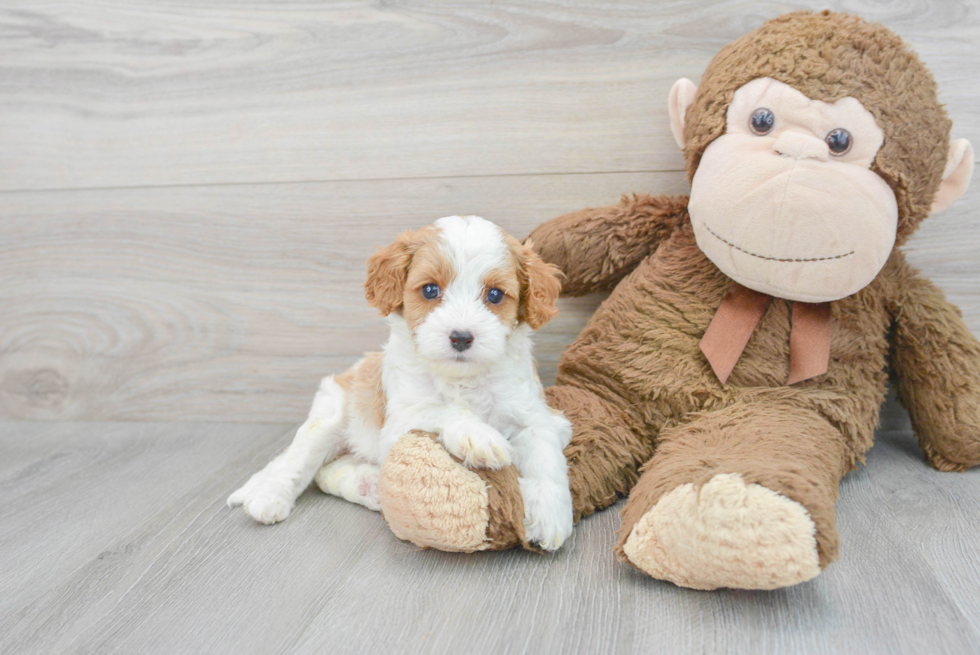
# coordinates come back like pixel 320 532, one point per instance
pixel 495 296
pixel 839 141
pixel 430 291
pixel 762 121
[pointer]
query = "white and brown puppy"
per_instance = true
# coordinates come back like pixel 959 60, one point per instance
pixel 462 298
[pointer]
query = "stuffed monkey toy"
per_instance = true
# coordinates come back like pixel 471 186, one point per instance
pixel 736 372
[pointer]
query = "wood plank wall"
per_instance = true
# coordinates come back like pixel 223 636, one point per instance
pixel 188 191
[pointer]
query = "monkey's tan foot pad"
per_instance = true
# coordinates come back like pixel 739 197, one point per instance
pixel 429 498
pixel 725 534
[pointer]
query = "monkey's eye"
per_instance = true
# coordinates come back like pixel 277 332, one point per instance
pixel 430 291
pixel 839 141
pixel 495 296
pixel 762 121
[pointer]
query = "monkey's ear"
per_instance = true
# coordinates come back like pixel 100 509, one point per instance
pixel 681 97
pixel 956 175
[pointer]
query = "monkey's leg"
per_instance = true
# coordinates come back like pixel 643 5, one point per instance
pixel 432 500
pixel 609 445
pixel 741 497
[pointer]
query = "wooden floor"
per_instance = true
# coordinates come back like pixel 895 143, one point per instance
pixel 116 539
pixel 188 194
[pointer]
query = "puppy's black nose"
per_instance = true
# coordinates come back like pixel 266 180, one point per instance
pixel 461 340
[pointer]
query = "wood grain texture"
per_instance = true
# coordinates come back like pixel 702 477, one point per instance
pixel 113 93
pixel 116 539
pixel 226 298
pixel 229 303
pixel 188 194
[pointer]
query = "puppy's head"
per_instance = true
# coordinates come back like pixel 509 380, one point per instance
pixel 462 286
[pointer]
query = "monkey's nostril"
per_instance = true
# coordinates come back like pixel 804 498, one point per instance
pixel 460 340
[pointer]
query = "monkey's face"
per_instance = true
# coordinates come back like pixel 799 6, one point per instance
pixel 785 202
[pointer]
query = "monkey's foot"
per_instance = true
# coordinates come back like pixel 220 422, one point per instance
pixel 725 534
pixel 430 499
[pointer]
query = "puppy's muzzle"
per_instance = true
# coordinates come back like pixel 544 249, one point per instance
pixel 461 340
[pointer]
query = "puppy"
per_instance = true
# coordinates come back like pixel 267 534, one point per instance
pixel 462 298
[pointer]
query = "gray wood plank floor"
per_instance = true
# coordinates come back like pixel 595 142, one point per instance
pixel 116 539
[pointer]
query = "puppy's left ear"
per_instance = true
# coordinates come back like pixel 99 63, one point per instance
pixel 540 286
pixel 387 272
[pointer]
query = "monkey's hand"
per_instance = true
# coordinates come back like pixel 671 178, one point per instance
pixel 937 360
pixel 596 248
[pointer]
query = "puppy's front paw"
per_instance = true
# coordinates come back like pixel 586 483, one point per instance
pixel 547 513
pixel 268 508
pixel 245 491
pixel 478 445
pixel 237 498
pixel 263 502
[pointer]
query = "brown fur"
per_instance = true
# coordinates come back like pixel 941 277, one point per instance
pixel 639 360
pixel 368 392
pixel 507 279
pixel 647 411
pixel 506 522
pixel 428 266
pixel 540 284
pixel 619 238
pixel 363 382
pixel 641 348
pixel 937 362
pixel 387 268
pixel 397 272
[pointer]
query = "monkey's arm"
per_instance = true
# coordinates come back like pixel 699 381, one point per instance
pixel 937 360
pixel 596 248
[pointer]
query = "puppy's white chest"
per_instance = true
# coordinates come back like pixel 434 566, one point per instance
pixel 480 402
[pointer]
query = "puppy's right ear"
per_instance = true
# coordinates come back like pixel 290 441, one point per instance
pixel 387 271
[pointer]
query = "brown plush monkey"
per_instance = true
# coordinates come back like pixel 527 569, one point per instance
pixel 815 146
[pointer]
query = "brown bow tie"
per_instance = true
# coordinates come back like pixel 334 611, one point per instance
pixel 736 318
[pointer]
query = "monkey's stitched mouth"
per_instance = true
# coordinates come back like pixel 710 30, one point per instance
pixel 773 259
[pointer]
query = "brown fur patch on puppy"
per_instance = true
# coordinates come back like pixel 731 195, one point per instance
pixel 367 392
pixel 429 266
pixel 540 283
pixel 388 268
pixel 363 382
pixel 506 279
